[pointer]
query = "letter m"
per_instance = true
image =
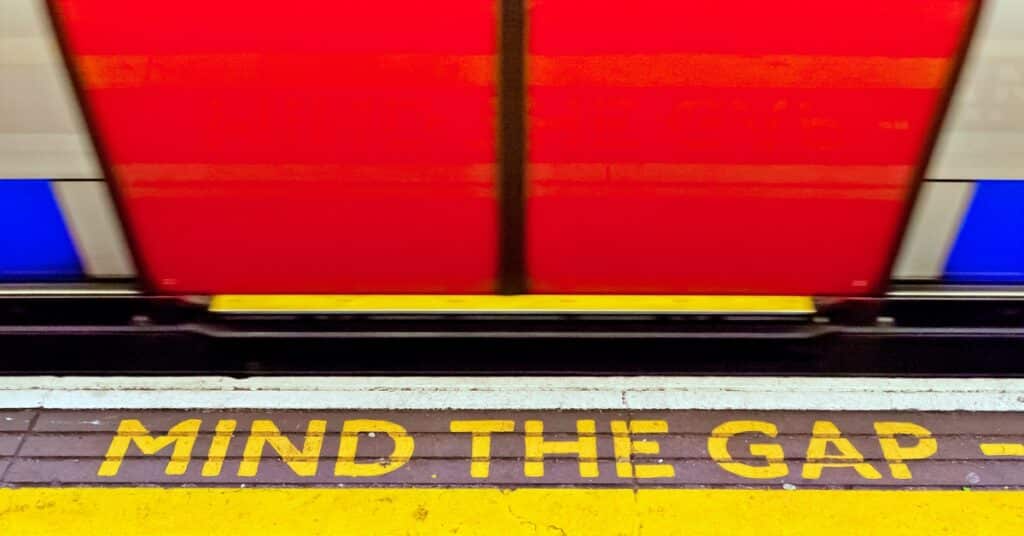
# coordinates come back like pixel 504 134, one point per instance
pixel 182 436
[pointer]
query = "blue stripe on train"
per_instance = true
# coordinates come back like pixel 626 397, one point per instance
pixel 990 246
pixel 35 244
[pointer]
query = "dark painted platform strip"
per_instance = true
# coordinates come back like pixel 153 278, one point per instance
pixel 631 449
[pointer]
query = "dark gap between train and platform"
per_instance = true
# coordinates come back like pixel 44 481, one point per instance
pixel 198 349
pixel 157 336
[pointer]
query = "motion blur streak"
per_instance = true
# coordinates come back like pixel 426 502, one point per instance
pixel 716 97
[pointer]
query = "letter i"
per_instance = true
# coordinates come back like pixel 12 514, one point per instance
pixel 225 431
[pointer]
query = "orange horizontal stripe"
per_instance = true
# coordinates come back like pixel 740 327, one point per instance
pixel 592 173
pixel 418 70
pixel 385 193
pixel 719 181
pixel 295 180
pixel 661 192
pixel 726 70
pixel 485 173
pixel 354 173
pixel 285 70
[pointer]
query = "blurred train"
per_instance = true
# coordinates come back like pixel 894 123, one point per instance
pixel 664 148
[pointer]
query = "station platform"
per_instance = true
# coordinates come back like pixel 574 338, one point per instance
pixel 516 455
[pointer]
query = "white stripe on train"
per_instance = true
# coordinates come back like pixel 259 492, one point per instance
pixel 91 219
pixel 938 215
pixel 42 134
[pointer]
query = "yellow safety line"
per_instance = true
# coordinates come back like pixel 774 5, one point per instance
pixel 308 511
pixel 529 303
pixel 1002 449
